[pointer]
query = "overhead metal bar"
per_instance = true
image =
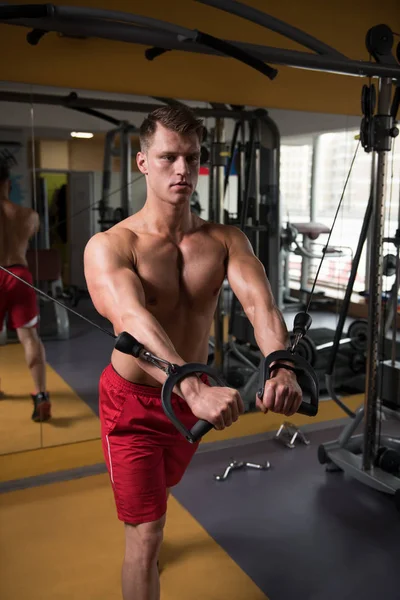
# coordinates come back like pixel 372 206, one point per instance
pixel 219 106
pixel 51 11
pixel 104 104
pixel 118 31
pixel 114 17
pixel 169 101
pixel 95 113
pixel 78 12
pixel 274 24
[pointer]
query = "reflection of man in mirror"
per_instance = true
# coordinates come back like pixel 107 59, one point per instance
pixel 17 300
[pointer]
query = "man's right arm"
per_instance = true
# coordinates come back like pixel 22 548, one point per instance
pixel 118 295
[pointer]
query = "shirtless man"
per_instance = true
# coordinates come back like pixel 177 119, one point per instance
pixel 17 300
pixel 157 275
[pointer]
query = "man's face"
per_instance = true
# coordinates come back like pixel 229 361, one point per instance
pixel 171 165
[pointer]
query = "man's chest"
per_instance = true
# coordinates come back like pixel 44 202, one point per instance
pixel 190 274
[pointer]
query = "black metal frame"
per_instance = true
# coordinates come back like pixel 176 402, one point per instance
pixel 126 27
pixel 76 102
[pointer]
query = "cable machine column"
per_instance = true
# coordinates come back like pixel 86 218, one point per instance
pixel 126 169
pixel 382 146
pixel 219 162
pixel 257 209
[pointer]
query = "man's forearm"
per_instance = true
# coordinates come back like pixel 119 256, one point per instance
pixel 270 329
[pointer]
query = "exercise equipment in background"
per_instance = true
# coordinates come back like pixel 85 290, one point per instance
pixel 373 458
pixel 308 250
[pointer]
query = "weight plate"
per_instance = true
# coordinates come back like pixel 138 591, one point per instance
pixel 389 265
pixel 358 332
pixel 357 363
pixel 306 348
pixel 388 459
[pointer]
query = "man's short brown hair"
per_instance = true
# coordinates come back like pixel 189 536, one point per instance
pixel 175 118
pixel 7 160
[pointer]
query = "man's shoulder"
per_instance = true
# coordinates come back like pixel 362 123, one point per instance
pixel 114 244
pixel 24 213
pixel 225 233
pixel 116 237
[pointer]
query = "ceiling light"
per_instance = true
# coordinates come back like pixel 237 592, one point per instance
pixel 81 134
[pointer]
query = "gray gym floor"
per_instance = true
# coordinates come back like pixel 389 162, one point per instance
pixel 300 533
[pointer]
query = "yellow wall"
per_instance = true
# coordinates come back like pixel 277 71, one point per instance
pixel 76 155
pixel 86 155
pixel 52 154
pixel 119 67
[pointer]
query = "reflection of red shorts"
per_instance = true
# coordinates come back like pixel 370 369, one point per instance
pixel 17 300
pixel 144 452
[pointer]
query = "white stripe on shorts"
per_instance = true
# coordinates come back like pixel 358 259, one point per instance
pixel 31 323
pixel 109 458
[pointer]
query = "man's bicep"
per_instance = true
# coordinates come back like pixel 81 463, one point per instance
pixel 246 273
pixel 113 285
pixel 34 223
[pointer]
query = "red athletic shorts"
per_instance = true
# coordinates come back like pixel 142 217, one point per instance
pixel 144 452
pixel 17 300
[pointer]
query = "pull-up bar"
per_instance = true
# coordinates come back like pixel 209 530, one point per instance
pixel 121 26
pixel 274 24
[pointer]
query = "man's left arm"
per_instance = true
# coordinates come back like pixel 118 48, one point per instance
pixel 34 223
pixel 249 283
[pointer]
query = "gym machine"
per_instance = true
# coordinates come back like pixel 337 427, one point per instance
pixel 122 131
pixel 307 250
pixel 347 354
pixel 372 457
pixel 257 213
pixel 357 335
pixel 108 216
pixel 255 149
pixel 315 345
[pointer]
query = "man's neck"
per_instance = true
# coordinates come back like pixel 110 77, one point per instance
pixel 167 220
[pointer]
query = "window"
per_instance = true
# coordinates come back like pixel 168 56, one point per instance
pixel 295 182
pixel 330 162
pixel 295 192
pixel 335 152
